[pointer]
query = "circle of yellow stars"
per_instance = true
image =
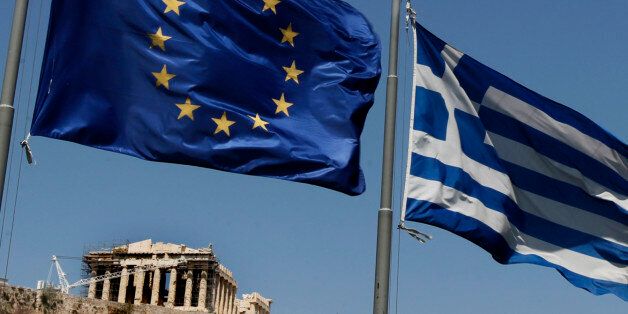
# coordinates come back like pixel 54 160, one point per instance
pixel 223 124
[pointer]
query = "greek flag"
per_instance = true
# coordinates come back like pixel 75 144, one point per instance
pixel 525 178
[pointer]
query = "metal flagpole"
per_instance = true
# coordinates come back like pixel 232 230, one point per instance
pixel 8 86
pixel 384 216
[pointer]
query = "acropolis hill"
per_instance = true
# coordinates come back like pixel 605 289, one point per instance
pixel 143 277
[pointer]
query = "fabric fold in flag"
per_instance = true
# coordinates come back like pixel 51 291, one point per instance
pixel 525 178
pixel 269 88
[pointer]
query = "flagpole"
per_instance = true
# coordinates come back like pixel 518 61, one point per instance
pixel 8 87
pixel 384 215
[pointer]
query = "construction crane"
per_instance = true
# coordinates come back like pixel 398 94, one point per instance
pixel 64 286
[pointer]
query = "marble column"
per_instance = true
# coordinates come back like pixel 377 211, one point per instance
pixel 172 290
pixel 223 296
pixel 106 286
pixel 187 296
pixel 202 291
pixel 235 296
pixel 124 282
pixel 218 293
pixel 139 286
pixel 230 300
pixel 216 288
pixel 225 307
pixel 154 296
pixel 91 293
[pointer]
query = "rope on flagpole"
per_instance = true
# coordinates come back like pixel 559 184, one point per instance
pixel 398 271
pixel 18 102
pixel 409 22
pixel 24 143
pixel 400 140
pixel 419 236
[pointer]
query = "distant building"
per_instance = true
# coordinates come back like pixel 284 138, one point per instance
pixel 170 275
pixel 253 303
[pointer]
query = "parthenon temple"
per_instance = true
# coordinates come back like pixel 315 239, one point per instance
pixel 170 275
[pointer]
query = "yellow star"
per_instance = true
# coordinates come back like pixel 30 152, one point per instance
pixel 282 105
pixel 270 5
pixel 163 77
pixel 292 73
pixel 187 109
pixel 223 124
pixel 258 122
pixel 173 5
pixel 288 35
pixel 158 39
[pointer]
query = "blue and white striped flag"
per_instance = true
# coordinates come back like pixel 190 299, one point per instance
pixel 525 178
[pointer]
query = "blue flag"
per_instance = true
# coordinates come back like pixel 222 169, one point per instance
pixel 526 178
pixel 275 88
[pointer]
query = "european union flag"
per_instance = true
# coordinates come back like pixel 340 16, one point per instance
pixel 275 88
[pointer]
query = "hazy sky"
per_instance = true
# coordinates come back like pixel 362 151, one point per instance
pixel 310 249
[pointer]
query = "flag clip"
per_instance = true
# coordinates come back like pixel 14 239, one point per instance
pixel 410 14
pixel 27 149
pixel 419 236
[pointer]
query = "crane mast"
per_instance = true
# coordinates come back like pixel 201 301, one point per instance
pixel 64 286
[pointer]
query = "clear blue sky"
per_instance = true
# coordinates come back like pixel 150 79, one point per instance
pixel 310 249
